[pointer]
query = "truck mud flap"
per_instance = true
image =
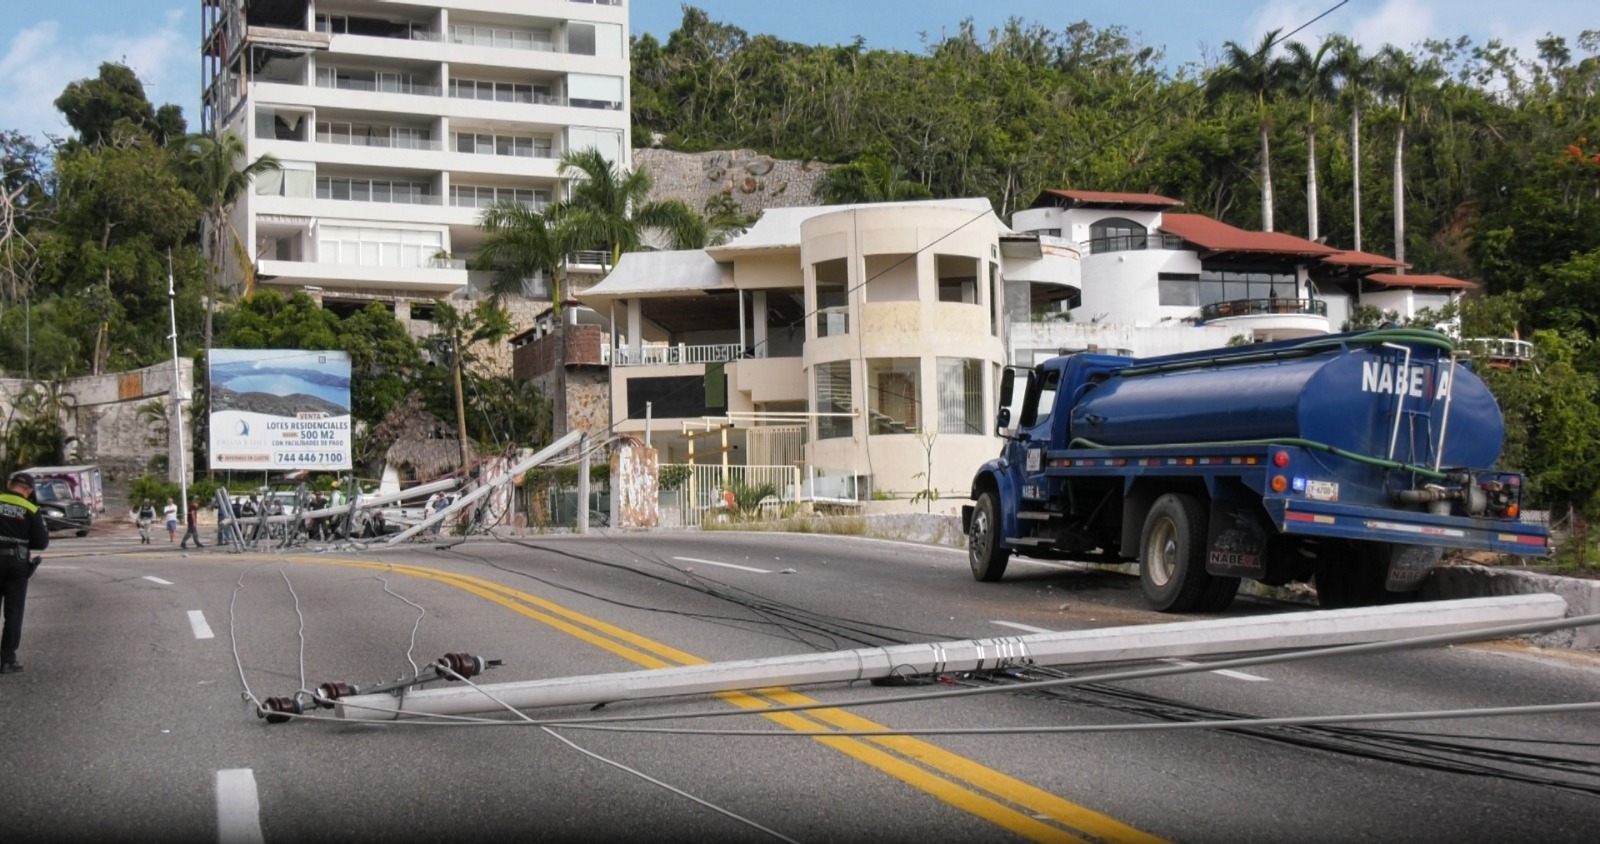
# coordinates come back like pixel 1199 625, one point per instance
pixel 1238 545
pixel 1409 566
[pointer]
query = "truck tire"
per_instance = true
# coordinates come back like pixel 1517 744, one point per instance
pixel 984 553
pixel 1172 557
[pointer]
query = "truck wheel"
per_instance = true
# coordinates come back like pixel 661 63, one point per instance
pixel 988 559
pixel 1172 556
pixel 1219 595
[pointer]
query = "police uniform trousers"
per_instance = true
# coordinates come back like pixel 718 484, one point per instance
pixel 14 574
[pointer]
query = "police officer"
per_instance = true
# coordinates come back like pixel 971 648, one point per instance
pixel 22 529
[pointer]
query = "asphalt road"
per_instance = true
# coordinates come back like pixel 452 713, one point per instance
pixel 129 722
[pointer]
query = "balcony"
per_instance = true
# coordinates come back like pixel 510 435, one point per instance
pixel 676 355
pixel 381 86
pixel 1498 352
pixel 1271 318
pixel 1249 307
pixel 1129 243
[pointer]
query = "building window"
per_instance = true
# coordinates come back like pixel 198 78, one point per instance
pixel 1209 287
pixel 834 396
pixel 960 396
pixel 364 247
pixel 482 196
pixel 376 190
pixel 608 142
pixel 893 395
pixel 586 90
pixel 594 39
pixel 833 298
pixel 958 278
pixel 1115 234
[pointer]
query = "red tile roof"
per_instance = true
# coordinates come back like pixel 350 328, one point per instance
pixel 1363 259
pixel 1107 198
pixel 1217 236
pixel 1436 282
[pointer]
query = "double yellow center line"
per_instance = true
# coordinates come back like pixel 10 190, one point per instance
pixel 1030 812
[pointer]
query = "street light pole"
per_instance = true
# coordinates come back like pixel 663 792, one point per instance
pixel 177 392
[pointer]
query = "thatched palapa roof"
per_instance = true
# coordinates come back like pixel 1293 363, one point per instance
pixel 418 440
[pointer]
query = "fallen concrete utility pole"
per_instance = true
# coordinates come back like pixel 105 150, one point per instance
pixel 544 454
pixel 1323 628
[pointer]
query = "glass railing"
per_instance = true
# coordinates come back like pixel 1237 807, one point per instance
pixel 1258 307
pixel 1130 243
pixel 392 199
pixel 379 87
pixel 378 141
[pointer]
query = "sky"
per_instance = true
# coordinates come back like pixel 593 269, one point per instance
pixel 46 45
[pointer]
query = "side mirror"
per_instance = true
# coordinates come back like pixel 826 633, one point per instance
pixel 1002 420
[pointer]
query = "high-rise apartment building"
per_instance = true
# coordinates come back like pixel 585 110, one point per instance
pixel 397 123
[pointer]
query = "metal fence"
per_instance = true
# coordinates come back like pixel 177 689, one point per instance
pixel 710 489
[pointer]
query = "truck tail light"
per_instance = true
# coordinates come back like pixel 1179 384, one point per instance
pixel 1280 459
pixel 1279 483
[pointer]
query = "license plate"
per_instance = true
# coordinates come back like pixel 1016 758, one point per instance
pixel 1322 490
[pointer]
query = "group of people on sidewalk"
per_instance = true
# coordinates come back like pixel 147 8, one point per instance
pixel 146 516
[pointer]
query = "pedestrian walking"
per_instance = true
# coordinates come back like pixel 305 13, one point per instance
pixel 194 524
pixel 146 517
pixel 170 513
pixel 22 531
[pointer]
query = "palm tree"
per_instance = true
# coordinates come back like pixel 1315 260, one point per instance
pixel 1357 74
pixel 209 168
pixel 1312 79
pixel 1404 81
pixel 520 243
pixel 609 208
pixel 1257 75
pixel 867 180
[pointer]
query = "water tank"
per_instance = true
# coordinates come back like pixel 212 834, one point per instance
pixel 1344 396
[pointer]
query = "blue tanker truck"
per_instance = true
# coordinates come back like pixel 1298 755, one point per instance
pixel 1349 460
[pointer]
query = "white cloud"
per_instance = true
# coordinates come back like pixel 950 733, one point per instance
pixel 38 64
pixel 1402 23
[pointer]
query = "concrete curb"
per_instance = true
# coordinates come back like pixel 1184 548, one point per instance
pixel 1449 582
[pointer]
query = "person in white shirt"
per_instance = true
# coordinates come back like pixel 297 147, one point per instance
pixel 170 513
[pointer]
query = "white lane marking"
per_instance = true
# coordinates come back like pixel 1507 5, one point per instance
pixel 154 579
pixel 1226 672
pixel 58 567
pixel 202 630
pixel 724 565
pixel 238 807
pixel 1026 627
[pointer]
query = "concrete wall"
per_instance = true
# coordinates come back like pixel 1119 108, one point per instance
pixel 110 430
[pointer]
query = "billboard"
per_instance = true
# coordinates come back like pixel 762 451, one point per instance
pixel 280 409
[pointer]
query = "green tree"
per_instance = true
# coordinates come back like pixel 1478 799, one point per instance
pixel 1357 74
pixel 1404 81
pixel 1257 75
pixel 609 207
pixel 94 107
pixel 519 244
pixel 1310 76
pixel 212 169
pixel 867 180
pixel 120 213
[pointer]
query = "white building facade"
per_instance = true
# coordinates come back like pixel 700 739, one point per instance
pixel 396 124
